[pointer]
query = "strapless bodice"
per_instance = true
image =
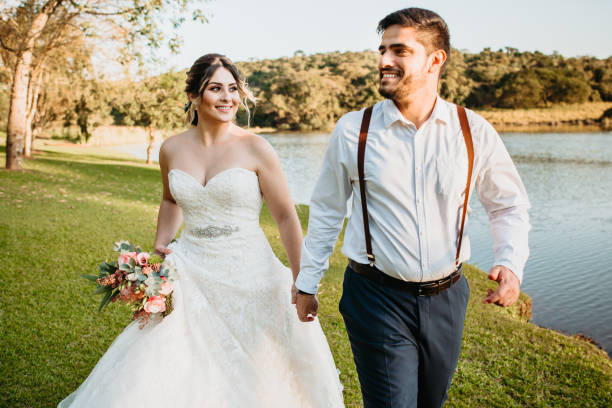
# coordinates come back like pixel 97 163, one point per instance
pixel 229 203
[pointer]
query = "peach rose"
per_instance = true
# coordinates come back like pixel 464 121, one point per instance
pixel 166 288
pixel 142 258
pixel 155 304
pixel 125 257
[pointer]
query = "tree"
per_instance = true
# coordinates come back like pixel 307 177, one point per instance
pixel 82 117
pixel 160 107
pixel 455 85
pixel 521 89
pixel 67 78
pixel 155 103
pixel 5 86
pixel 540 87
pixel 30 30
pixel 602 79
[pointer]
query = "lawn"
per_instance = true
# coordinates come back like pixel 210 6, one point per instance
pixel 60 216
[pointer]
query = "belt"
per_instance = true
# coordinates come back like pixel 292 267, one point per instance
pixel 418 288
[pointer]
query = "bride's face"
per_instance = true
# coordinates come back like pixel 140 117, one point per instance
pixel 220 99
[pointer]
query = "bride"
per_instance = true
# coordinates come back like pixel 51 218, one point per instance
pixel 233 338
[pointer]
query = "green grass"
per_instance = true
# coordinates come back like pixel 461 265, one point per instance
pixel 60 216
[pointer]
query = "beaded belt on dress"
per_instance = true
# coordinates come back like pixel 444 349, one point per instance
pixel 214 231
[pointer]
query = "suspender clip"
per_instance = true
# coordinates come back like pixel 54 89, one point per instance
pixel 371 259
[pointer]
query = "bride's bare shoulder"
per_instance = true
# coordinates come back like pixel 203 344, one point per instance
pixel 175 143
pixel 256 144
pixel 259 149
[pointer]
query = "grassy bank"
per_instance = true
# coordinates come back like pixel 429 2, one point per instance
pixel 59 218
pixel 554 118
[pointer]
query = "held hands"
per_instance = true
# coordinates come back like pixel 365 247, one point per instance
pixel 162 251
pixel 293 294
pixel 508 290
pixel 307 305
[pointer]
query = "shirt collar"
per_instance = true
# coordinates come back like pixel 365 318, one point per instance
pixel 391 113
pixel 441 112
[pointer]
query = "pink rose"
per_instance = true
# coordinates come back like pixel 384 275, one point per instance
pixel 142 258
pixel 166 288
pixel 125 257
pixel 155 304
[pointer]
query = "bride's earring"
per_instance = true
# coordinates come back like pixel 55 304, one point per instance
pixel 193 109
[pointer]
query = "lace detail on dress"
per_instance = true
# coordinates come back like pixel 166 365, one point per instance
pixel 232 197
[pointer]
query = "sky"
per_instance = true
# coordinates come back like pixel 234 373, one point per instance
pixel 255 29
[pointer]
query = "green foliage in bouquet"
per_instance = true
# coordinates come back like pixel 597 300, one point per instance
pixel 106 271
pixel 139 279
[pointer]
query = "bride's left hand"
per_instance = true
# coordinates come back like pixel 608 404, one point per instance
pixel 293 294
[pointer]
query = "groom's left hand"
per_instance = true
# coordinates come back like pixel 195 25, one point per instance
pixel 508 290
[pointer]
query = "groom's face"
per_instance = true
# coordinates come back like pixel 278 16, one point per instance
pixel 403 62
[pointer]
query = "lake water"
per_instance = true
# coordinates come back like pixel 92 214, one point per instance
pixel 569 180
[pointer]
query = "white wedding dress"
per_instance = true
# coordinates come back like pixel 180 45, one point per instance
pixel 233 338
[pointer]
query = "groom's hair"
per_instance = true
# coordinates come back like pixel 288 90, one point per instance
pixel 432 29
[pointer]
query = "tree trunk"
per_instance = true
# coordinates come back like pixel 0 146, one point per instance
pixel 17 121
pixel 27 141
pixel 16 126
pixel 32 105
pixel 150 147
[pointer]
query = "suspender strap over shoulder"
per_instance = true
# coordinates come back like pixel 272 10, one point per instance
pixel 467 136
pixel 363 135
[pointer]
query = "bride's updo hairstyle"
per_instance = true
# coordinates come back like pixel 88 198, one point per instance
pixel 199 76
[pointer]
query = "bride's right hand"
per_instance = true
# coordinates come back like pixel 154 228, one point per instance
pixel 162 251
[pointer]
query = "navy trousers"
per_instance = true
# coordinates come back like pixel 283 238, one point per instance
pixel 405 347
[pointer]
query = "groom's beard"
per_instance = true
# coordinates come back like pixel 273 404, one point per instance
pixel 403 88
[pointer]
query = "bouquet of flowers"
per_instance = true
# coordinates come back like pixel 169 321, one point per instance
pixel 139 279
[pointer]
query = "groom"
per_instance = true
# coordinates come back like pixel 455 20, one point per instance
pixel 404 297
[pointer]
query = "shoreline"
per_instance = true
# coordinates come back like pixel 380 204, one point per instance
pixel 559 118
pixel 501 128
pixel 586 117
pixel 587 126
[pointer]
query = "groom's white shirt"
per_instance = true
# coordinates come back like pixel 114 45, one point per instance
pixel 414 183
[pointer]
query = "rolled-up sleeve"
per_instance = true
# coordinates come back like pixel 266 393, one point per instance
pixel 504 198
pixel 327 212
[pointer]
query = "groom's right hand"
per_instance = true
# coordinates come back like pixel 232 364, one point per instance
pixel 307 307
pixel 162 251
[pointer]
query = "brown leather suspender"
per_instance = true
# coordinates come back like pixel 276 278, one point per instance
pixel 363 135
pixel 467 137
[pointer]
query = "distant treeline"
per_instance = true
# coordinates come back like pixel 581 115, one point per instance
pixel 310 92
